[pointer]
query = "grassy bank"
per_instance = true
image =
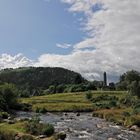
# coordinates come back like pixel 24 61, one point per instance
pixel 14 131
pixel 123 116
pixel 60 102
pixel 17 131
pixel 27 130
pixel 67 101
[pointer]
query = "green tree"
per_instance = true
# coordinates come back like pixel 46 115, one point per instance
pixel 127 80
pixel 8 96
pixel 134 88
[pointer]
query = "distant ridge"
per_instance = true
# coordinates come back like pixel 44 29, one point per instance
pixel 40 77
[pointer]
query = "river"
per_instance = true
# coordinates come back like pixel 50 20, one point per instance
pixel 84 127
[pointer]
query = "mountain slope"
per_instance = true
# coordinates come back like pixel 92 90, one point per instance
pixel 40 77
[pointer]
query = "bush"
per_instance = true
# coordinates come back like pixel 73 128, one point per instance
pixel 4 115
pixel 126 114
pixel 26 137
pixel 105 105
pixel 105 98
pixel 136 108
pixel 48 130
pixel 8 97
pixel 40 110
pixel 113 103
pixel 61 136
pixel 128 100
pixel 134 88
pixel 60 88
pixel 137 122
pixel 34 127
pixel 105 101
pixel 89 95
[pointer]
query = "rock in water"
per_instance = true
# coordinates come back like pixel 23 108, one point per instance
pixel 111 139
pixel 78 114
pixel 42 136
pixel 61 136
pixel 135 128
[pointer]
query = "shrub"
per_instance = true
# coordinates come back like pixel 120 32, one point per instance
pixel 105 98
pixel 137 122
pixel 61 136
pixel 105 102
pixel 42 110
pixel 60 88
pixel 37 110
pixel 136 108
pixel 113 103
pixel 134 88
pixel 126 114
pixel 26 137
pixel 48 130
pixel 4 115
pixel 34 127
pixel 8 96
pixel 89 95
pixel 128 101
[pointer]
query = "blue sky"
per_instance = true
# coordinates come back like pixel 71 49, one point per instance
pixel 34 27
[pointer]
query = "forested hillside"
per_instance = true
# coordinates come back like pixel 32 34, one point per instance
pixel 40 77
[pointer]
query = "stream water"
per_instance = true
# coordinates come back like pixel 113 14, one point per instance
pixel 84 127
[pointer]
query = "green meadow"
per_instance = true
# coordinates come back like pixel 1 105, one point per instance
pixel 68 101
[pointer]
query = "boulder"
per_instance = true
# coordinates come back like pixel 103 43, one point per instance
pixel 41 136
pixel 66 114
pixel 10 118
pixel 61 136
pixel 102 125
pixel 11 122
pixel 111 139
pixel 78 114
pixel 134 128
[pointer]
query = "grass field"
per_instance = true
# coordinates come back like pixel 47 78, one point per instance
pixel 14 131
pixel 68 101
pixel 16 127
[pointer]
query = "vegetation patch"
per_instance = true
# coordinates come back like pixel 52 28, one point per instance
pixel 60 102
pixel 34 127
pixel 25 130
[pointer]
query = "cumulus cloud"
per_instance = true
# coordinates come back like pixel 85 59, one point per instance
pixel 8 61
pixel 111 44
pixel 83 62
pixel 113 31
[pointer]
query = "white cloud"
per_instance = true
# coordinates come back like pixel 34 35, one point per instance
pixel 8 61
pixel 114 31
pixel 63 46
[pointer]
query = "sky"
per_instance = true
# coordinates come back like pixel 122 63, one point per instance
pixel 86 36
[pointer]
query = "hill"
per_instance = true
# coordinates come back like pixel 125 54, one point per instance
pixel 40 77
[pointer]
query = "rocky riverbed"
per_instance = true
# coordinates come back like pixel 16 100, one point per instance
pixel 84 127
